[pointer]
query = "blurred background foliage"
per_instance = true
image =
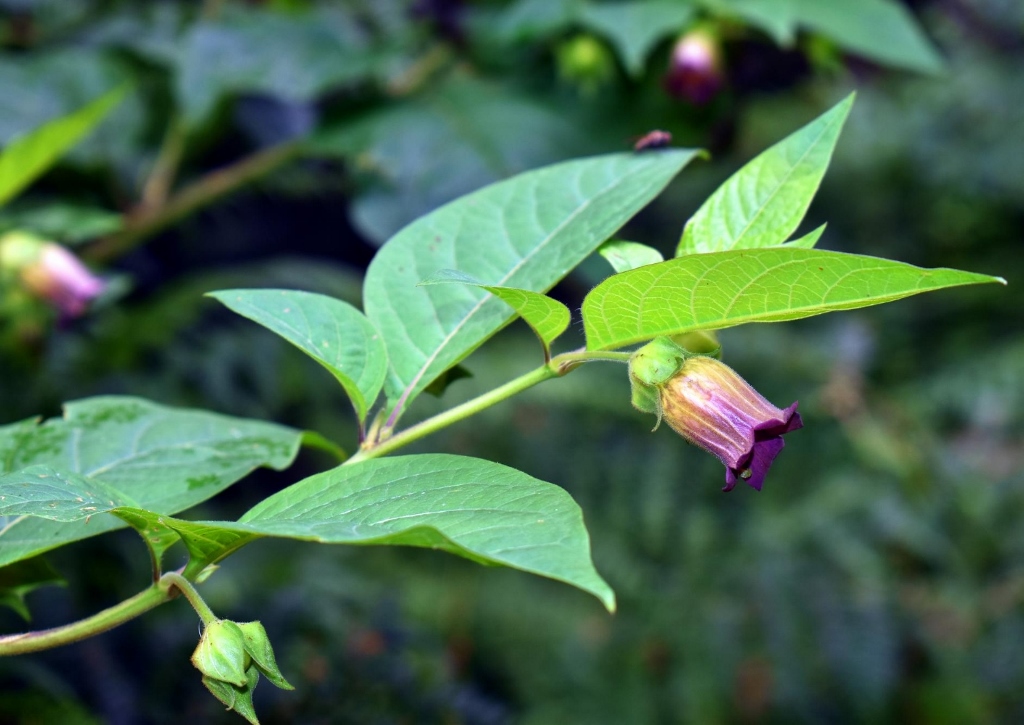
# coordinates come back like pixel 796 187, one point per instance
pixel 879 577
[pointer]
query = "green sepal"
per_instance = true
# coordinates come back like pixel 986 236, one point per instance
pixel 221 653
pixel 237 698
pixel 257 644
pixel 650 367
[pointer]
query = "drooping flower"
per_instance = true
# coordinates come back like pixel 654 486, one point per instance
pixel 710 405
pixel 50 272
pixel 695 67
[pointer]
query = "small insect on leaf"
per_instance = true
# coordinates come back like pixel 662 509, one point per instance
pixel 653 140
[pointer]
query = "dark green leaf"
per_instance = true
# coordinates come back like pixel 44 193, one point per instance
pixel 634 28
pixel 19 579
pixel 165 459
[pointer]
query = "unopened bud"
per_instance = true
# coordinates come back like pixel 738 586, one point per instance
pixel 49 272
pixel 695 67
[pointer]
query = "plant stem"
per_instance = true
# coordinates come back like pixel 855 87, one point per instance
pixel 559 366
pixel 189 591
pixel 155 595
pixel 200 193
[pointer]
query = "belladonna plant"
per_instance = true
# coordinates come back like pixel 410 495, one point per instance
pixel 710 405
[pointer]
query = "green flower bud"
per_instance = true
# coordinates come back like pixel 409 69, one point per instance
pixel 221 653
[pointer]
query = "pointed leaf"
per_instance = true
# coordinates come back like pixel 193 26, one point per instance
pixel 634 28
pixel 724 289
pixel 164 459
pixel 332 332
pixel 526 232
pixel 18 580
pixel 808 240
pixel 484 511
pixel 26 158
pixel 257 644
pixel 624 256
pixel 762 204
pixel 235 698
pixel 547 317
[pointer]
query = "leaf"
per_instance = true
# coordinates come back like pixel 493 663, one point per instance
pixel 634 28
pixel 332 332
pixel 762 204
pixel 20 579
pixel 547 317
pixel 164 459
pixel 808 240
pixel 295 56
pixel 60 221
pixel 624 256
pixel 488 131
pixel 481 510
pixel 25 158
pixel 55 495
pixel 881 30
pixel 724 289
pixel 527 232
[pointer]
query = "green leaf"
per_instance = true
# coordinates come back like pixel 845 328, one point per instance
pixel 808 240
pixel 332 332
pixel 724 289
pixel 547 317
pixel 484 511
pixel 19 579
pixel 481 510
pixel 60 221
pixel 297 56
pixel 26 158
pixel 527 232
pixel 634 28
pixel 762 204
pixel 880 30
pixel 164 459
pixel 624 256
pixel 55 495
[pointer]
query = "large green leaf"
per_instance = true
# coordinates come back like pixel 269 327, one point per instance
pixel 332 332
pixel 635 27
pixel 547 317
pixel 763 203
pixel 163 459
pixel 42 491
pixel 24 159
pixel 484 511
pixel 724 289
pixel 527 232
pixel 881 30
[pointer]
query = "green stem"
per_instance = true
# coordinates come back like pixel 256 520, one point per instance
pixel 155 595
pixel 559 366
pixel 189 591
pixel 199 194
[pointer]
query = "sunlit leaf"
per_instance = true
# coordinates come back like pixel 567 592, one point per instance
pixel 624 256
pixel 24 159
pixel 634 28
pixel 808 240
pixel 527 232
pixel 724 289
pixel 547 317
pixel 762 204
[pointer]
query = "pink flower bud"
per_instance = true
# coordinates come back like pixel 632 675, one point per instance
pixel 695 68
pixel 50 272
pixel 711 406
